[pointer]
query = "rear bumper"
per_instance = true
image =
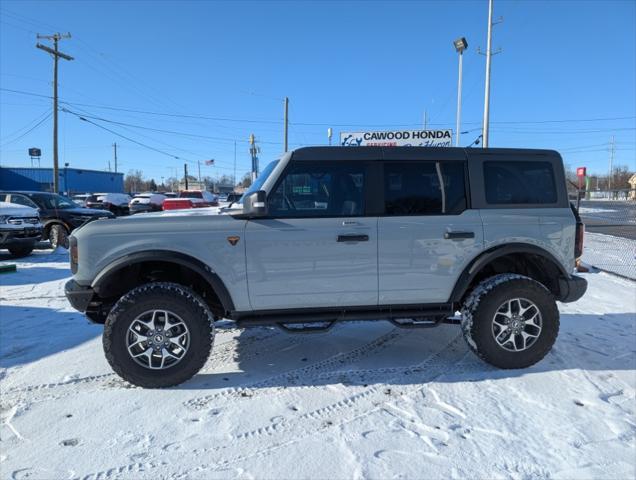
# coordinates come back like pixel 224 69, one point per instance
pixel 78 296
pixel 572 288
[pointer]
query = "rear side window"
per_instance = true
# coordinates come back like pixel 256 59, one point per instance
pixel 424 188
pixel 519 183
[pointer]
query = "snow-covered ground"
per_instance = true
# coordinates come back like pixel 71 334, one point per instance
pixel 365 400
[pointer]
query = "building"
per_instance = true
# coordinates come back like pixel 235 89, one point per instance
pixel 71 180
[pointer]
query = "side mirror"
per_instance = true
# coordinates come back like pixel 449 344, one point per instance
pixel 255 204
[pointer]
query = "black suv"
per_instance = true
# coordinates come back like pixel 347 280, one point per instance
pixel 59 215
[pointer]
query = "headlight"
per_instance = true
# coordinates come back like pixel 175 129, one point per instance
pixel 81 218
pixel 4 218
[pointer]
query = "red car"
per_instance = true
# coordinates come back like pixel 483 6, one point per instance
pixel 191 199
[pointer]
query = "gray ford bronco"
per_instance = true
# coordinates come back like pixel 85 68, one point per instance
pixel 325 234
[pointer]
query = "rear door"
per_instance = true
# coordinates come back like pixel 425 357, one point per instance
pixel 427 234
pixel 318 248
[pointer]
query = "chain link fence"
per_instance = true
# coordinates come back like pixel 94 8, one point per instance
pixel 610 226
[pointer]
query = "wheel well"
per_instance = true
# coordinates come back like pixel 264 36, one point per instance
pixel 532 265
pixel 47 228
pixel 124 279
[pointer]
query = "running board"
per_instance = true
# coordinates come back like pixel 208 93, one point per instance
pixel 407 316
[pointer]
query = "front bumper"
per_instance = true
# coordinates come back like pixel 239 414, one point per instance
pixel 78 296
pixel 572 288
pixel 23 236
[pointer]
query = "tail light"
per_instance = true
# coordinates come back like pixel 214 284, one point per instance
pixel 579 233
pixel 578 242
pixel 74 254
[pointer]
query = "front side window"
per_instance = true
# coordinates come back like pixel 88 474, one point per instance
pixel 519 183
pixel 325 189
pixel 424 188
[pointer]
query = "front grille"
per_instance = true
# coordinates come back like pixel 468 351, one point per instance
pixel 23 220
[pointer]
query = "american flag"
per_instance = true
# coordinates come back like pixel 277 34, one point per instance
pixel 209 162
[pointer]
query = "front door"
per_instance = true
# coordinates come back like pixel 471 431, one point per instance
pixel 316 248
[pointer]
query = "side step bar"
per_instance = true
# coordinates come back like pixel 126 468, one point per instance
pixel 405 317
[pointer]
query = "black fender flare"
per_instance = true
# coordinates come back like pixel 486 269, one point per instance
pixel 491 254
pixel 184 260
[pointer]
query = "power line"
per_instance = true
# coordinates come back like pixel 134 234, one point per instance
pixel 29 130
pixel 317 124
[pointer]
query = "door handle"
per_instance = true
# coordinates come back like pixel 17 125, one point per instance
pixel 353 238
pixel 458 235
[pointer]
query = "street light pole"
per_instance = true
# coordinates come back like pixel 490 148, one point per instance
pixel 460 45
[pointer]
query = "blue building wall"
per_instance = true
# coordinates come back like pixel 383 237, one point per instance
pixel 71 180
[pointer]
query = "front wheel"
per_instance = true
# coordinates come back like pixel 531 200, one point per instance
pixel 510 321
pixel 158 335
pixel 58 236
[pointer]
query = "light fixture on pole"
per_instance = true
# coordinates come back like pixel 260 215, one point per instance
pixel 460 45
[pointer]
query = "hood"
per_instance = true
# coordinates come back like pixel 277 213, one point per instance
pixel 16 210
pixel 87 211
pixel 152 227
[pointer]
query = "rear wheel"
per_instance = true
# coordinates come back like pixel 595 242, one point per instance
pixel 158 335
pixel 510 321
pixel 20 250
pixel 58 236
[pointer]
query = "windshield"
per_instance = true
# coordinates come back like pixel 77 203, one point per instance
pixel 56 202
pixel 258 183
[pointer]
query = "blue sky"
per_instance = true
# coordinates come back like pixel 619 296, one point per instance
pixel 566 68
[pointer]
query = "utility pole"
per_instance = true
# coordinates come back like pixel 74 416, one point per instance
pixel 234 176
pixel 185 175
pixel 286 121
pixel 56 55
pixel 254 151
pixel 611 161
pixel 115 155
pixel 199 165
pixel 489 53
pixel 425 120
pixel 329 134
pixel 460 45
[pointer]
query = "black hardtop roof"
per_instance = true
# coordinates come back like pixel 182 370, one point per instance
pixel 410 153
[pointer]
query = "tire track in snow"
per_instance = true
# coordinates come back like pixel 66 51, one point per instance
pixel 250 346
pixel 290 378
pixel 287 432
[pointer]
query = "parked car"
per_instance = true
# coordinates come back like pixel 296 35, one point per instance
pixel 325 234
pixel 191 199
pixel 116 203
pixel 146 202
pixel 81 198
pixel 233 197
pixel 20 228
pixel 59 215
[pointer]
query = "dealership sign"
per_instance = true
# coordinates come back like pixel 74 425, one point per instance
pixel 397 138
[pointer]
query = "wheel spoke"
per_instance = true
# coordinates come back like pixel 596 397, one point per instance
pixel 516 324
pixel 161 339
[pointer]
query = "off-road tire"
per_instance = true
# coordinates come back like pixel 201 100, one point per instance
pixel 19 251
pixel 159 295
pixel 58 236
pixel 479 310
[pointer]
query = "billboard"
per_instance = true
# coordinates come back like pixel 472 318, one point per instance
pixel 398 138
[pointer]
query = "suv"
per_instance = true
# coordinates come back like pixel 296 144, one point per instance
pixel 60 215
pixel 325 234
pixel 117 203
pixel 20 228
